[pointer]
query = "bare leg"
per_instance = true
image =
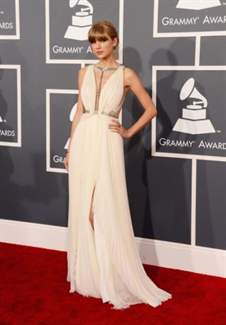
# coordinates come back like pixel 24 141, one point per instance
pixel 91 211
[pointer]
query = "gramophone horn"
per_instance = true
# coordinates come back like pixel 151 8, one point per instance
pixel 189 91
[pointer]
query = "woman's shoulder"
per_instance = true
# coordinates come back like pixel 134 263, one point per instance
pixel 129 71
pixel 81 74
pixel 129 75
pixel 82 70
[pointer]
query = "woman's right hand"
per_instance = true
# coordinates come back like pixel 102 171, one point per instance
pixel 66 158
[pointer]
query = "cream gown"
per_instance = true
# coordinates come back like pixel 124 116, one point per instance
pixel 104 262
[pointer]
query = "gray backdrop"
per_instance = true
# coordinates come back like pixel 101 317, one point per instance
pixel 33 181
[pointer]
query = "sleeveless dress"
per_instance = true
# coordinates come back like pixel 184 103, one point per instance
pixel 103 262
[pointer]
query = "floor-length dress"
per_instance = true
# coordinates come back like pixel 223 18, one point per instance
pixel 103 262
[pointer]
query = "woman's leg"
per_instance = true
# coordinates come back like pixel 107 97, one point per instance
pixel 91 210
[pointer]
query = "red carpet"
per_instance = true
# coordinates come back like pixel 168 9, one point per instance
pixel 33 290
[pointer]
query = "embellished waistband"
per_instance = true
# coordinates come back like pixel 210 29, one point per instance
pixel 110 114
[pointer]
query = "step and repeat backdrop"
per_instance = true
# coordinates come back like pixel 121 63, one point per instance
pixel 175 167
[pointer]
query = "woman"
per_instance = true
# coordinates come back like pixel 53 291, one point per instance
pixel 103 259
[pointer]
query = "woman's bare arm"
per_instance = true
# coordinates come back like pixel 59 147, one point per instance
pixel 133 82
pixel 79 110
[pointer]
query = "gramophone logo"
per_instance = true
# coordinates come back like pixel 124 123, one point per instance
pixel 193 119
pixel 2 120
pixel 198 4
pixel 71 116
pixel 67 39
pixel 82 20
pixel 9 19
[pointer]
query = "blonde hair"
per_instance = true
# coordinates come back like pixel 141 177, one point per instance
pixel 101 31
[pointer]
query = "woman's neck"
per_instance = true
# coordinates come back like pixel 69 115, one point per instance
pixel 108 62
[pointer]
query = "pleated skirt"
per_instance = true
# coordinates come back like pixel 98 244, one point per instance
pixel 103 262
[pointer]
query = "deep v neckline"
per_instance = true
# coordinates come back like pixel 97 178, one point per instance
pixel 109 78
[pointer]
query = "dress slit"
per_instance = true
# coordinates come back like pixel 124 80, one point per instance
pixel 91 207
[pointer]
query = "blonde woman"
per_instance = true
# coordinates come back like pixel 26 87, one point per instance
pixel 103 259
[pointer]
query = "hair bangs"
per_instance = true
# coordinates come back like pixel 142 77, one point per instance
pixel 97 36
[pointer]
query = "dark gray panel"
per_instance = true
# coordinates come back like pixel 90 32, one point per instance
pixel 211 204
pixel 65 42
pixel 213 50
pixel 60 108
pixel 182 16
pixel 160 196
pixel 8 105
pixel 204 135
pixel 7 18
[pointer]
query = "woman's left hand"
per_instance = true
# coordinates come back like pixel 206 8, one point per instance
pixel 115 126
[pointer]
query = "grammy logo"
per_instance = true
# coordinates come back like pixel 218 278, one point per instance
pixel 198 4
pixel 193 119
pixel 81 20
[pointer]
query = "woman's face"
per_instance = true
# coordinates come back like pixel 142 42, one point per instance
pixel 103 46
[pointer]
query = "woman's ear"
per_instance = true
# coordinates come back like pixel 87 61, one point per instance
pixel 116 43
